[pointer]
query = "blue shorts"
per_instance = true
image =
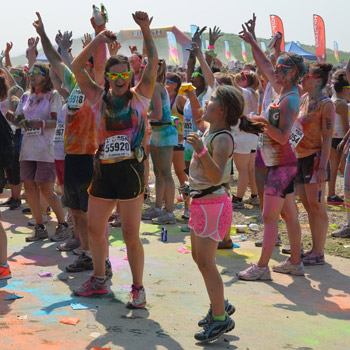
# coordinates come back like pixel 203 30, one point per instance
pixel 164 136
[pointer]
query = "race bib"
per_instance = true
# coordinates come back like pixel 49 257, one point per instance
pixel 188 125
pixel 76 99
pixel 59 133
pixel 116 146
pixel 32 131
pixel 295 136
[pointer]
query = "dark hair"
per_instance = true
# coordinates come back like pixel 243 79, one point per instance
pixel 24 80
pixel 48 86
pixel 224 78
pixel 233 103
pixel 340 80
pixel 296 61
pixel 322 70
pixel 112 61
pixel 4 88
pixel 250 66
pixel 161 73
pixel 176 79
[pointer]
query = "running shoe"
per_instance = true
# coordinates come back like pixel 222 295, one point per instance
pixel 343 232
pixel 39 232
pixel 15 204
pixel 253 201
pixel 32 222
pixel 313 260
pixel 78 251
pixel 62 233
pixel 186 214
pixel 71 244
pixel 137 298
pixel 109 273
pixel 185 228
pixel 254 273
pixel 225 244
pixel 289 268
pixel 213 329
pixel 229 308
pixel 164 219
pixel 82 263
pixel 278 243
pixel 7 203
pixel 238 205
pixel 92 286
pixel 5 273
pixel 26 211
pixel 335 200
pixel 286 249
pixel 152 213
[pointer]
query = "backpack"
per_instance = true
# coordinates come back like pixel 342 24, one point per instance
pixel 7 146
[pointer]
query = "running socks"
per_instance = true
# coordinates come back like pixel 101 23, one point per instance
pixel 220 318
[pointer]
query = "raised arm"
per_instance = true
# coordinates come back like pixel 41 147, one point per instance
pixel 32 51
pixel 90 89
pixel 9 47
pixel 261 60
pixel 148 80
pixel 51 54
pixel 214 35
pixel 197 111
pixel 207 72
pixel 10 79
pixel 64 42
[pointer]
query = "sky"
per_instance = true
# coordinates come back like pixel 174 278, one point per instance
pixel 18 15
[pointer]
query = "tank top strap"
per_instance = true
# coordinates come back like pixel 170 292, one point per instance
pixel 217 134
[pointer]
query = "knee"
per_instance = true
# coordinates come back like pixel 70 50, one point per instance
pixel 268 218
pixel 130 238
pixel 315 207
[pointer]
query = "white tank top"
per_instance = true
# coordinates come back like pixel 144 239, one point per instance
pixel 339 131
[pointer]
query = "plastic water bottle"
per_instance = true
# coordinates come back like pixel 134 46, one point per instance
pixel 164 237
pixel 96 13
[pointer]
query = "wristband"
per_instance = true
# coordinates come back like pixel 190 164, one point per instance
pixel 211 47
pixel 43 124
pixel 202 153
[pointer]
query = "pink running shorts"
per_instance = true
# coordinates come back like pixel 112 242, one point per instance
pixel 211 218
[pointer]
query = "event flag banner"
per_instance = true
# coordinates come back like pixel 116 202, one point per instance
pixel 227 51
pixel 263 46
pixel 320 38
pixel 336 54
pixel 244 52
pixel 277 26
pixel 173 53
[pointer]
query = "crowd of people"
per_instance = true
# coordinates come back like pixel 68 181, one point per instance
pixel 91 124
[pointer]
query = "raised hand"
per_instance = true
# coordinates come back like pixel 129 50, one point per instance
pixel 107 36
pixel 114 47
pixel 66 42
pixel 132 49
pixel 142 19
pixel 33 43
pixel 246 36
pixel 9 47
pixel 197 36
pixel 250 25
pixel 87 40
pixel 195 49
pixel 214 35
pixel 39 25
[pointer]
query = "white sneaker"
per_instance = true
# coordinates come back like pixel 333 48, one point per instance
pixel 46 219
pixel 287 267
pixel 152 213
pixel 253 201
pixel 165 218
pixel 254 273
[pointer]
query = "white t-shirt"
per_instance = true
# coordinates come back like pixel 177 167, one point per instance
pixel 38 145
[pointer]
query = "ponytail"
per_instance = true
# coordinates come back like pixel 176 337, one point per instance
pixel 251 126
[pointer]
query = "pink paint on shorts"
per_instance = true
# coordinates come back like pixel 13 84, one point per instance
pixel 211 218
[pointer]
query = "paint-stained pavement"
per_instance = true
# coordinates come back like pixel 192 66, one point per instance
pixel 287 313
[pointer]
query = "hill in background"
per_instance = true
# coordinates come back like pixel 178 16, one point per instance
pixel 162 45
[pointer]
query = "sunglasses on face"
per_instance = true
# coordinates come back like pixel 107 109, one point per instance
pixel 135 58
pixel 170 81
pixel 123 75
pixel 280 67
pixel 311 76
pixel 197 74
pixel 36 72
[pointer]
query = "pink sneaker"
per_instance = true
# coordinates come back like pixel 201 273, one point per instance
pixel 91 287
pixel 137 298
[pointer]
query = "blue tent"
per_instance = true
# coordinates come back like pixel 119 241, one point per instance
pixel 293 47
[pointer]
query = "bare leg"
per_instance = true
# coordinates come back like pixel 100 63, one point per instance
pixel 33 199
pixel 334 160
pixel 241 162
pixel 3 245
pixel 251 174
pixel 80 222
pixel 204 253
pixel 130 215
pixel 47 189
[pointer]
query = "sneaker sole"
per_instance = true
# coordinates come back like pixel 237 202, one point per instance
pixel 63 249
pixel 36 239
pixel 289 273
pixel 254 279
pixel 229 329
pixel 79 270
pixel 6 277
pixel 92 292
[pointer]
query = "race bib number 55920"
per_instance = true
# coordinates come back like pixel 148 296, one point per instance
pixel 116 146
